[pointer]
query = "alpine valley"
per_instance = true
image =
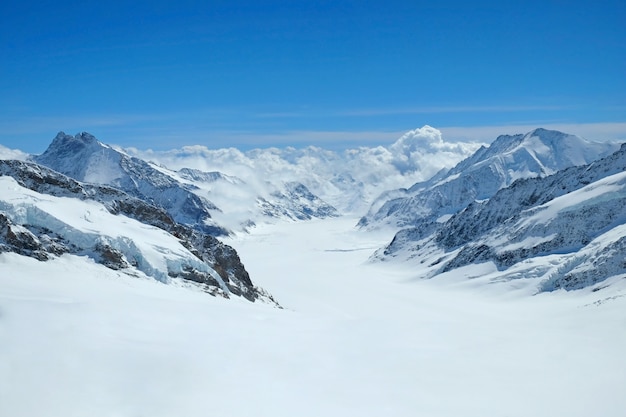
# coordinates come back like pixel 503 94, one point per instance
pixel 421 278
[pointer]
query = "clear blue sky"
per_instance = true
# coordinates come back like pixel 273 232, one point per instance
pixel 163 74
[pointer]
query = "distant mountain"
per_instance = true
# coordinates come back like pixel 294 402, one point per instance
pixel 44 214
pixel 244 204
pixel 85 159
pixel 538 153
pixel 296 202
pixel 567 229
pixel 197 175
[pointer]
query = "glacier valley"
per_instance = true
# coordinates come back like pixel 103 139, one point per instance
pixel 421 278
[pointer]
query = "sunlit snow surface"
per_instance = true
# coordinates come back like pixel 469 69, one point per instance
pixel 354 339
pixel 87 223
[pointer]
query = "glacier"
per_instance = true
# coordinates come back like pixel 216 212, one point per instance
pixel 353 337
pixel 521 314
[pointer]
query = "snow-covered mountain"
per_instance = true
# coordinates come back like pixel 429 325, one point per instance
pixel 537 153
pixel 85 159
pixel 438 215
pixel 244 204
pixel 45 214
pixel 187 195
pixel 296 202
pixel 83 308
pixel 567 229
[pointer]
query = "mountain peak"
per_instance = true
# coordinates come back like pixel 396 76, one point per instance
pixel 540 152
pixel 83 137
pixel 548 135
pixel 81 157
pixel 85 159
pixel 65 143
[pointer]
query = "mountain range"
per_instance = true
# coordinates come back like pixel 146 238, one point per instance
pixel 45 214
pixel 529 205
pixel 537 153
pixel 347 180
pixel 545 205
pixel 186 194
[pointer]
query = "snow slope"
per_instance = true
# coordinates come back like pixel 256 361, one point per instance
pixel 85 224
pixel 44 214
pixel 565 230
pixel 355 339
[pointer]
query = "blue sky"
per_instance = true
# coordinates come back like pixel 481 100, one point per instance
pixel 336 74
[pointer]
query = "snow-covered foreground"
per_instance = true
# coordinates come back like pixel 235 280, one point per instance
pixel 77 339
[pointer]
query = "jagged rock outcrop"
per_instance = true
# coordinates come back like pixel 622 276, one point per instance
pixel 19 239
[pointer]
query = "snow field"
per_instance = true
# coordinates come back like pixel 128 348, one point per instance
pixel 355 338
pixel 86 223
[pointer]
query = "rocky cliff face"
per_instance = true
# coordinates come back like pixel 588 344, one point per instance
pixel 33 230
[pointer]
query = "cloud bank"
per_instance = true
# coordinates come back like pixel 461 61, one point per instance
pixel 350 179
pixel 6 153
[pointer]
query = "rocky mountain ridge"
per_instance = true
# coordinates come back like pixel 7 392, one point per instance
pixel 185 194
pixel 42 232
pixel 540 152
pixel 575 217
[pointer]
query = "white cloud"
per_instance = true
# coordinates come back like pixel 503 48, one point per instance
pixel 352 178
pixel 348 179
pixel 6 153
pixel 426 151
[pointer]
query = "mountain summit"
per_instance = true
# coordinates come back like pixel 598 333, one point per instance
pixel 565 230
pixel 85 159
pixel 538 153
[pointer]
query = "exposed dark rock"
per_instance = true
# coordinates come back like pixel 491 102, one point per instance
pixel 110 257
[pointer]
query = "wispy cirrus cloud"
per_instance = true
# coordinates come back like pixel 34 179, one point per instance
pixel 36 124
pixel 246 128
pixel 399 111
pixel 346 139
pixel 450 110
